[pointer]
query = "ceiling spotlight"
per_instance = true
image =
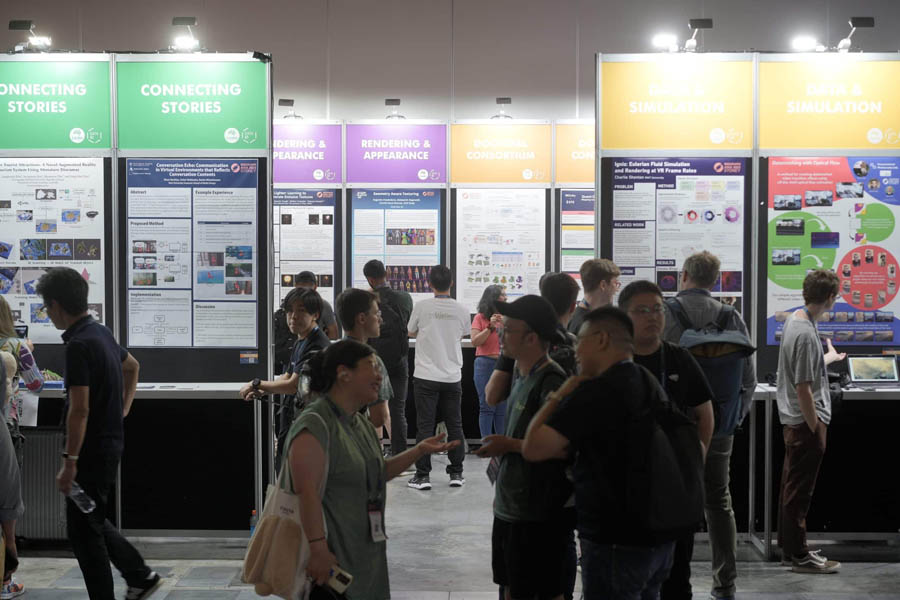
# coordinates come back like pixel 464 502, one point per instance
pixel 665 41
pixel 35 42
pixel 696 25
pixel 855 23
pixel 503 102
pixel 289 103
pixel 185 43
pixel 394 103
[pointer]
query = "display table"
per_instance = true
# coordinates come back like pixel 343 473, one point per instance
pixel 763 540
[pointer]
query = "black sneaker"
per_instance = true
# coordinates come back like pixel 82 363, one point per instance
pixel 146 589
pixel 457 480
pixel 418 482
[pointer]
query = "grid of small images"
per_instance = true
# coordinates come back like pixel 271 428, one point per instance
pixel 409 278
pixel 238 261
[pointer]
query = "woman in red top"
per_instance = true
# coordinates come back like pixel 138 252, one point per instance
pixel 491 419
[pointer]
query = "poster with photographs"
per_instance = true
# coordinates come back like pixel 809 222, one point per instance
pixel 401 228
pixel 837 213
pixel 304 222
pixel 191 254
pixel 51 214
pixel 665 209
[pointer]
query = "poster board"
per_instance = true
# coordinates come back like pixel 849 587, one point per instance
pixel 577 237
pixel 502 237
pixel 403 228
pixel 659 211
pixel 306 237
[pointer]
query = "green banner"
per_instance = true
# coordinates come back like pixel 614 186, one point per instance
pixel 54 104
pixel 192 105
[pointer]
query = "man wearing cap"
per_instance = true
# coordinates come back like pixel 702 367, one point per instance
pixel 531 527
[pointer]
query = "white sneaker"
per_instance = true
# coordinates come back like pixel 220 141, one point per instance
pixel 814 563
pixel 11 589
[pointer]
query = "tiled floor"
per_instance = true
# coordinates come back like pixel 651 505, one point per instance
pixel 439 549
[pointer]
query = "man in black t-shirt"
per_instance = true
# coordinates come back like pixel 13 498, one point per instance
pixel 302 307
pixel 101 379
pixel 591 416
pixel 684 382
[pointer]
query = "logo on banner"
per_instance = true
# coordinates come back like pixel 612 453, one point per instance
pixel 77 135
pixel 423 174
pixel 94 136
pixel 717 135
pixel 235 168
pixel 232 135
pixel 318 174
pixel 718 167
pixel 875 136
pixel 527 174
pixel 248 135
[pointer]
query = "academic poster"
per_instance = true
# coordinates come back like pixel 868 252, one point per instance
pixel 402 229
pixel 837 213
pixel 51 215
pixel 500 239
pixel 191 254
pixel 304 222
pixel 665 209
pixel 576 240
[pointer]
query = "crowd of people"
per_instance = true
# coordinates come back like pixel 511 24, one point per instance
pixel 600 423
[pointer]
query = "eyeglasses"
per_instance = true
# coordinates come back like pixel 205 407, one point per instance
pixel 656 309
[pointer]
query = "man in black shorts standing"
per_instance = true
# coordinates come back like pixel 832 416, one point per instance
pixel 101 378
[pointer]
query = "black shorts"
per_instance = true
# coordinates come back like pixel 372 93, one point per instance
pixel 529 558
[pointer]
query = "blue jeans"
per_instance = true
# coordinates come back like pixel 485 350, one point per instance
pixel 491 419
pixel 613 572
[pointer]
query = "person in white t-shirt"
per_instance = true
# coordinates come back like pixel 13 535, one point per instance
pixel 438 324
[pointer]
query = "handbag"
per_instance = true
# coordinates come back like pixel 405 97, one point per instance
pixel 278 553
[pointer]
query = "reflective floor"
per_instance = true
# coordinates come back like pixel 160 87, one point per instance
pixel 439 549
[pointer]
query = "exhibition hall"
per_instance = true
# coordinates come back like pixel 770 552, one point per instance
pixel 449 299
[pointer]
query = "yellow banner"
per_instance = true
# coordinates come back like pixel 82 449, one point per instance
pixel 575 153
pixel 500 153
pixel 681 102
pixel 829 101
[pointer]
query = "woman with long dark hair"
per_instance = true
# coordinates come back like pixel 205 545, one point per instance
pixel 485 338
pixel 335 451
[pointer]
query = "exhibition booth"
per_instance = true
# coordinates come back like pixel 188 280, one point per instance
pixel 165 180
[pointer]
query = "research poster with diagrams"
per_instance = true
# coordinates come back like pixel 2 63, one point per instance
pixel 576 222
pixel 304 222
pixel 665 209
pixel 402 229
pixel 501 237
pixel 51 215
pixel 837 213
pixel 191 255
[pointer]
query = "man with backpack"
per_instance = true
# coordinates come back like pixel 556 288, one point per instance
pixel 732 377
pixel 684 383
pixel 531 524
pixel 392 346
pixel 617 418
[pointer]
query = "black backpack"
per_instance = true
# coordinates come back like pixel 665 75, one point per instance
pixel 664 481
pixel 563 353
pixel 393 343
pixel 721 353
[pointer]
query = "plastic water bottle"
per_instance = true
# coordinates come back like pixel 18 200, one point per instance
pixel 253 521
pixel 84 502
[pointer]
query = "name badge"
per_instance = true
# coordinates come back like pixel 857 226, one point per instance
pixel 376 523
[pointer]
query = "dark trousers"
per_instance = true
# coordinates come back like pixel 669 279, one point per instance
pixel 438 399
pixel 611 572
pixel 678 585
pixel 803 453
pixel 94 539
pixel 397 407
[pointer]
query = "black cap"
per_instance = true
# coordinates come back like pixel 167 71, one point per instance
pixel 536 312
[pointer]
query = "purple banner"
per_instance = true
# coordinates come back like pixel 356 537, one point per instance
pixel 396 153
pixel 306 153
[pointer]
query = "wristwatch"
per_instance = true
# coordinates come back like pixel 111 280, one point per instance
pixel 255 383
pixel 68 456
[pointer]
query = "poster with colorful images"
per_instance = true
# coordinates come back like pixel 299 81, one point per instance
pixel 501 238
pixel 303 238
pixel 576 223
pixel 402 229
pixel 191 252
pixel 837 213
pixel 51 215
pixel 665 209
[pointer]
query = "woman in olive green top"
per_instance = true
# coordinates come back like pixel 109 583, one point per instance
pixel 332 444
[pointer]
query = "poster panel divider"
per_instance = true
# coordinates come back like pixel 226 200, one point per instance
pixel 598 156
